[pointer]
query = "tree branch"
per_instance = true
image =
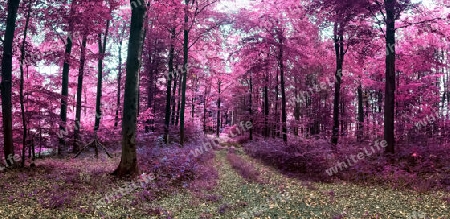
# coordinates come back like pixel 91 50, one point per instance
pixel 420 22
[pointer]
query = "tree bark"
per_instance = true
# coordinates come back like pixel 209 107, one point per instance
pixel 169 86
pixel 250 110
pixel 185 69
pixel 204 109
pixel 283 91
pixel 128 163
pixel 296 109
pixel 266 106
pixel 119 80
pixel 218 111
pixel 98 102
pixel 339 50
pixel 177 116
pixel 76 130
pixel 173 101
pixel 6 84
pixel 360 126
pixel 389 101
pixel 22 106
pixel 65 84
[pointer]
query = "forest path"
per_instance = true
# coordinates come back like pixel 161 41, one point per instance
pixel 283 197
pixel 276 196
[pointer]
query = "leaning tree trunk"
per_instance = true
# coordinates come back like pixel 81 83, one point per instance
pixel 185 69
pixel 339 50
pixel 128 163
pixel 6 84
pixel 22 106
pixel 389 101
pixel 76 131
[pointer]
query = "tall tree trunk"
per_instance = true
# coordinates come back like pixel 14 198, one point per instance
pixel 389 101
pixel 22 106
pixel 194 85
pixel 177 116
pixel 339 51
pixel 173 101
pixel 6 84
pixel 169 86
pixel 296 109
pixel 218 111
pixel 276 114
pixel 98 102
pixel 65 84
pixel 283 91
pixel 185 70
pixel 250 108
pixel 119 80
pixel 360 124
pixel 76 131
pixel 266 106
pixel 128 163
pixel 204 110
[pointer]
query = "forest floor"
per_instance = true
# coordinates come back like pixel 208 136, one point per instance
pixel 69 188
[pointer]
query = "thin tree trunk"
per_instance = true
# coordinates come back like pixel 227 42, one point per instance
pixel 76 131
pixel 360 125
pixel 6 84
pixel 128 163
pixel 177 117
pixel 276 113
pixel 173 101
pixel 193 98
pixel 218 111
pixel 266 106
pixel 204 111
pixel 22 106
pixel 250 110
pixel 169 86
pixel 98 102
pixel 283 91
pixel 119 80
pixel 296 109
pixel 185 70
pixel 339 50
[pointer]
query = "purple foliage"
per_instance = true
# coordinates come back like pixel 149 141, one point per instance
pixel 176 168
pixel 55 200
pixel 296 157
pixel 246 170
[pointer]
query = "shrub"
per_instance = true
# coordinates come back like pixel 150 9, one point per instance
pixel 297 157
pixel 247 171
